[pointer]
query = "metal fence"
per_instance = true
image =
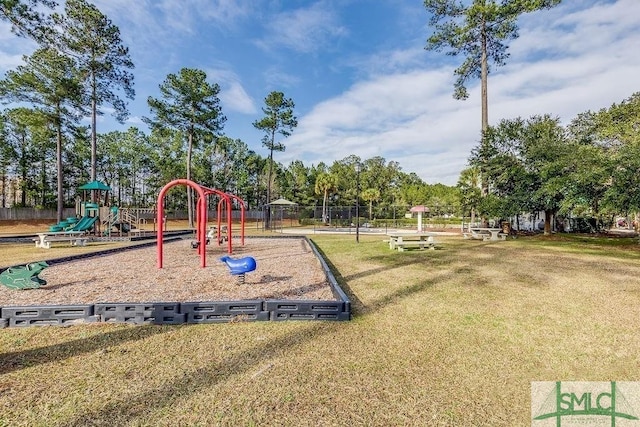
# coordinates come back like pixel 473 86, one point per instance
pixel 290 216
pixel 345 216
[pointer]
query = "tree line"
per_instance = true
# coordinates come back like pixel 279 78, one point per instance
pixel 588 168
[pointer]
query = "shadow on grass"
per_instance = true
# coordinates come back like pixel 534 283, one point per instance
pixel 398 295
pixel 130 409
pixel 356 303
pixel 392 261
pixel 13 361
pixel 404 261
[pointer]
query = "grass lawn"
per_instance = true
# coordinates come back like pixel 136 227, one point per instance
pixel 447 337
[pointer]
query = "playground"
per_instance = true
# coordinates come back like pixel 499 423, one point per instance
pixel 168 281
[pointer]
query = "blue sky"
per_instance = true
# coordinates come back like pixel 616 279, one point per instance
pixel 360 77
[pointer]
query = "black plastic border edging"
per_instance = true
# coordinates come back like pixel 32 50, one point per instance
pixel 173 313
pixel 335 287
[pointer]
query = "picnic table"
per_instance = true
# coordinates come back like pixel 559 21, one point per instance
pixel 75 238
pixel 421 240
pixel 485 233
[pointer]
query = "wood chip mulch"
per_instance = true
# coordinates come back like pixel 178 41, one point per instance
pixel 286 269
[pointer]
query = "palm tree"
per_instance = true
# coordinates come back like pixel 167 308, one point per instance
pixel 325 183
pixel 371 195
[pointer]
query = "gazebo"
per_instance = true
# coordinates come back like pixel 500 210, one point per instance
pixel 282 204
pixel 420 209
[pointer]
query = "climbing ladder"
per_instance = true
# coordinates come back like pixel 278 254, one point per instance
pixel 124 219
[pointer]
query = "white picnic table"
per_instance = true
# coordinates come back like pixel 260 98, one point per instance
pixel 421 239
pixel 485 233
pixel 75 238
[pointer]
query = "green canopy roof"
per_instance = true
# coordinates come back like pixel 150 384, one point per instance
pixel 95 185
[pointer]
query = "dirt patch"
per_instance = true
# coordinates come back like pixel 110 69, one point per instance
pixel 12 226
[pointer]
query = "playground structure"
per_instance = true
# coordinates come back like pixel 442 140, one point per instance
pixel 90 216
pixel 86 222
pixel 87 213
pixel 125 220
pixel 201 218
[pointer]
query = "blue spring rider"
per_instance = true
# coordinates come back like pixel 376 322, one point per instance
pixel 240 266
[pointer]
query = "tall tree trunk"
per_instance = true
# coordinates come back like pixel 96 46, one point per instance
pixel 43 181
pixel 268 211
pixel 324 206
pixel 94 138
pixel 473 219
pixel 134 179
pixel 548 214
pixel 189 189
pixel 59 167
pixel 4 188
pixel 23 170
pixel 484 76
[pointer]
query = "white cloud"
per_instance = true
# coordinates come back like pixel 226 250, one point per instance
pixel 144 31
pixel 178 16
pixel 13 48
pixel 135 120
pixel 233 96
pixel 303 30
pixel 411 118
pixel 225 12
pixel 391 61
pixel 278 78
pixel 9 62
pixel 186 16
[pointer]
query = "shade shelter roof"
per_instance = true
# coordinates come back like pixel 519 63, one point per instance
pixel 282 202
pixel 419 208
pixel 95 185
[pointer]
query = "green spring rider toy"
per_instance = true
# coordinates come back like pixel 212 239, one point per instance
pixel 24 277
